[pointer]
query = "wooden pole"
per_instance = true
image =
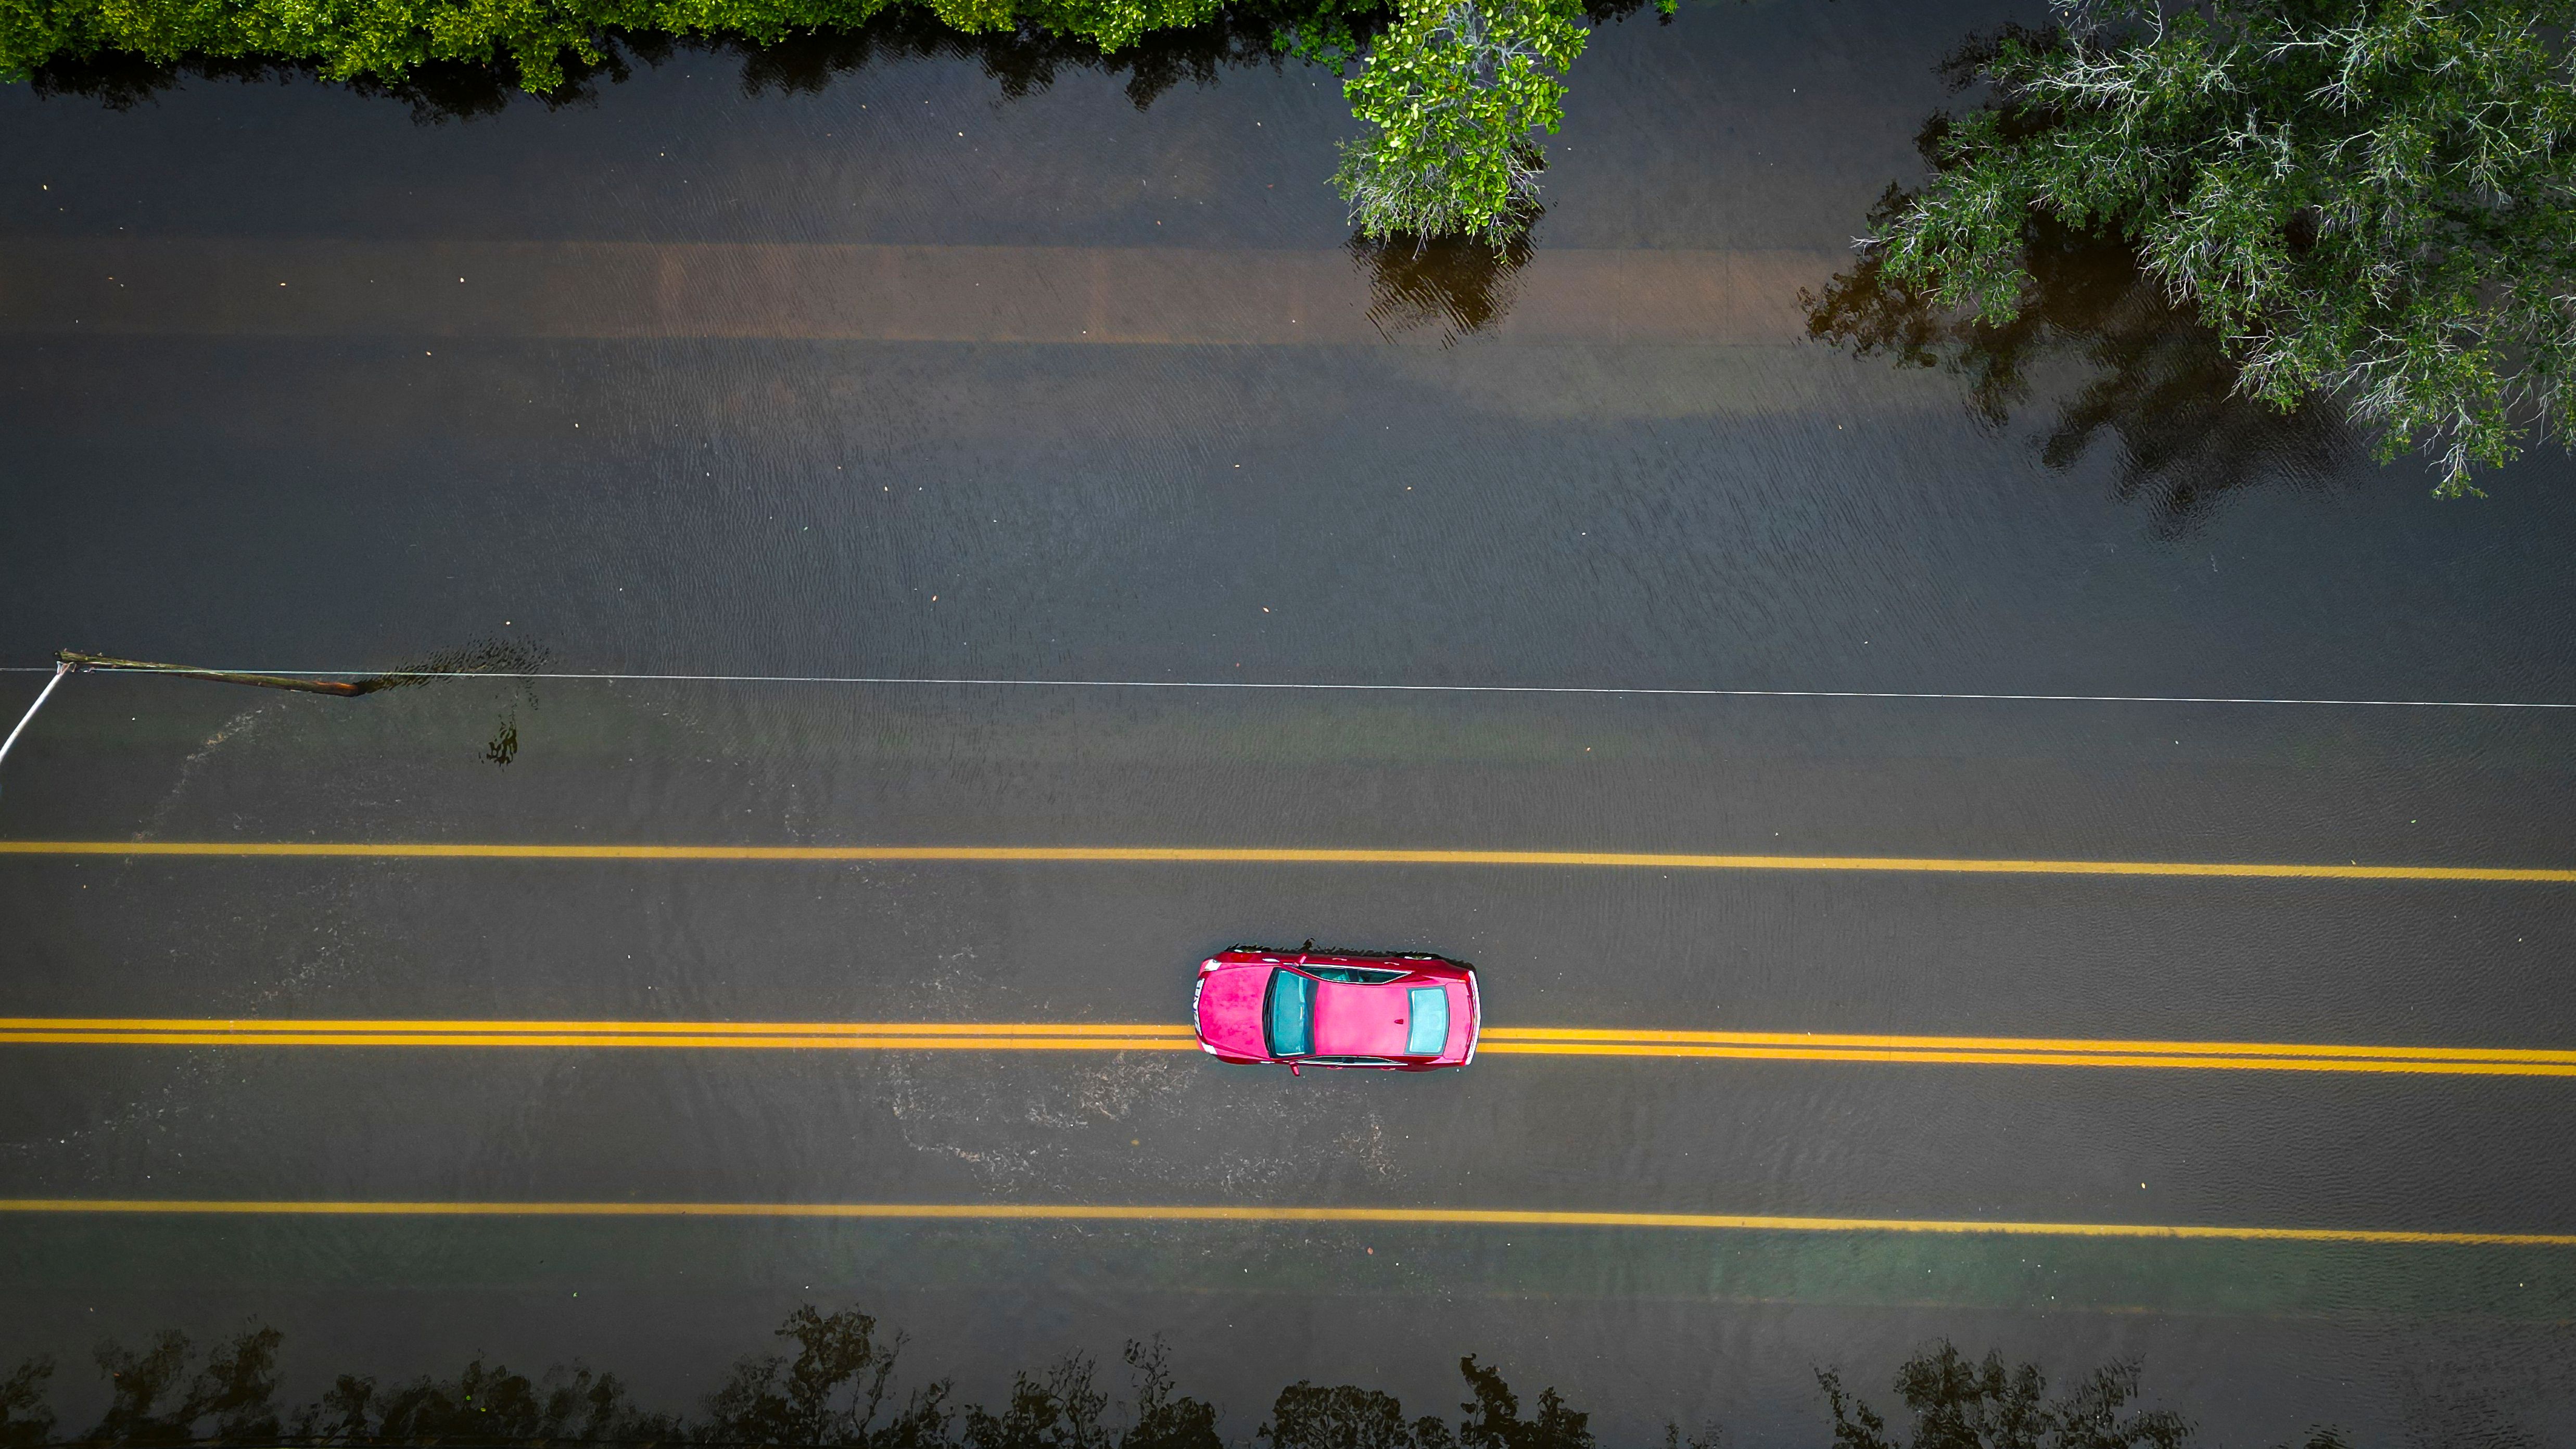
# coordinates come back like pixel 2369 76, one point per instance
pixel 343 687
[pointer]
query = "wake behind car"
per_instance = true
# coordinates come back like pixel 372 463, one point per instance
pixel 1308 1008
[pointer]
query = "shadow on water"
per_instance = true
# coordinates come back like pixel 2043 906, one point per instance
pixel 831 1381
pixel 2124 364
pixel 1019 62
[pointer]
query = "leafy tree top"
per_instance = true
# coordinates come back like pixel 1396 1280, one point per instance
pixel 2374 199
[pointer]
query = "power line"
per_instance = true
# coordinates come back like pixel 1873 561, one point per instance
pixel 1356 687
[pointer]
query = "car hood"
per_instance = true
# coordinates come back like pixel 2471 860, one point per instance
pixel 1230 1010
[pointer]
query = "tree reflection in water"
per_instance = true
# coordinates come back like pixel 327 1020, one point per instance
pixel 2124 361
pixel 1451 284
pixel 1020 62
pixel 837 1388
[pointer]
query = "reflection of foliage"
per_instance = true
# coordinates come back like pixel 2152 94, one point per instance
pixel 1021 62
pixel 1058 1410
pixel 25 1419
pixel 832 1392
pixel 1452 93
pixel 231 1400
pixel 1496 1421
pixel 2367 198
pixel 837 1391
pixel 1349 1417
pixel 1458 286
pixel 485 1402
pixel 1164 1420
pixel 122 80
pixel 231 1393
pixel 1958 1404
pixel 2163 384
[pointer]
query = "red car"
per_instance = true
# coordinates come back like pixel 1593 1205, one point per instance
pixel 1326 1009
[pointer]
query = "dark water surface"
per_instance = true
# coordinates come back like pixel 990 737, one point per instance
pixel 844 360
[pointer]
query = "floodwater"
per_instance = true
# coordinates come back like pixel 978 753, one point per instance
pixel 889 360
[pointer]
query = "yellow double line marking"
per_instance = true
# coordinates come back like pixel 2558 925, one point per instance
pixel 1152 1036
pixel 2035 1051
pixel 726 1035
pixel 1194 855
pixel 1189 1213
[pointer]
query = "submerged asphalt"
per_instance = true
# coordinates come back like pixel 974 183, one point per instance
pixel 738 402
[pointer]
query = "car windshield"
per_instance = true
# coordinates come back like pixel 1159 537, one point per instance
pixel 1428 1016
pixel 1291 1014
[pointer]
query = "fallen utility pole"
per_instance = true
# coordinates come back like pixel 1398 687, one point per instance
pixel 73 659
pixel 67 660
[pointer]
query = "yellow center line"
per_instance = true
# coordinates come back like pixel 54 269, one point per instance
pixel 430 850
pixel 1608 1036
pixel 1163 1036
pixel 593 1039
pixel 1227 1213
pixel 2494 1067
pixel 247 1025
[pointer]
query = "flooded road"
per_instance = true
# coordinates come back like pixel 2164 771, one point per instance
pixel 890 375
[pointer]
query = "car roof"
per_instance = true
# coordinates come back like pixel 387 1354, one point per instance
pixel 1361 1021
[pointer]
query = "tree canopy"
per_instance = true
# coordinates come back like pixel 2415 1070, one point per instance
pixel 2368 199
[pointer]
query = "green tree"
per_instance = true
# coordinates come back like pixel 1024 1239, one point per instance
pixel 2152 386
pixel 386 40
pixel 2370 199
pixel 1452 95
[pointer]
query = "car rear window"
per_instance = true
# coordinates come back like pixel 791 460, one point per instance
pixel 1291 1014
pixel 1427 1014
